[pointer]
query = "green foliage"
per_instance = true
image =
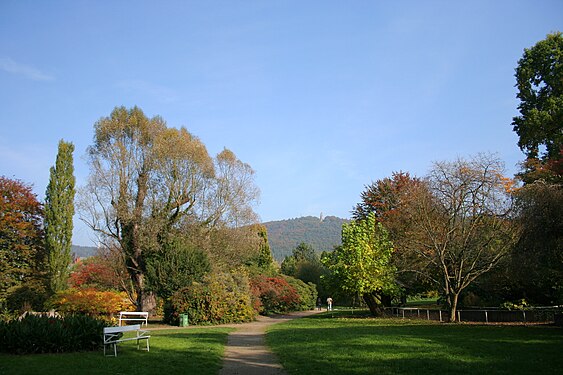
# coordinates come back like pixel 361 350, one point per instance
pixel 539 77
pixel 362 263
pixel 175 267
pixel 31 295
pixel 219 298
pixel 285 235
pixel 305 265
pixel 59 211
pixel 537 259
pixel 307 293
pixel 262 262
pixel 41 334
pixel 21 236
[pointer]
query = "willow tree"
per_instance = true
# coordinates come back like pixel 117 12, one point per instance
pixel 148 180
pixel 59 211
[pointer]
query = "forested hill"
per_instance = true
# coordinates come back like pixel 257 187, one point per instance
pixel 285 235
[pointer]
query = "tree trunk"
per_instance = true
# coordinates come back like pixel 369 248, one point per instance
pixel 374 306
pixel 453 306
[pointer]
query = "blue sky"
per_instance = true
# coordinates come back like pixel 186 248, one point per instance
pixel 319 97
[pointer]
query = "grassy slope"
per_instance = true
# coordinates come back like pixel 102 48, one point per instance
pixel 194 351
pixel 325 345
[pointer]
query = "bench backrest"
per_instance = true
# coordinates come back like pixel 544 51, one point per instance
pixel 134 313
pixel 132 327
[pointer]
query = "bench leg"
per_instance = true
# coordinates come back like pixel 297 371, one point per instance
pixel 139 345
pixel 114 349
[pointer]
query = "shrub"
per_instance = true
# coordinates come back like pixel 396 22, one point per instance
pixel 274 295
pixel 90 301
pixel 29 296
pixel 219 298
pixel 40 334
pixel 175 268
pixel 307 293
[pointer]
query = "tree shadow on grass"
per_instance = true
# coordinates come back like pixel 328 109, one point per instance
pixel 344 346
pixel 170 353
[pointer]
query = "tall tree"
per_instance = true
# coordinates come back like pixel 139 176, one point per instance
pixel 539 77
pixel 387 199
pixel 462 223
pixel 538 256
pixel 362 264
pixel 59 211
pixel 148 180
pixel 21 235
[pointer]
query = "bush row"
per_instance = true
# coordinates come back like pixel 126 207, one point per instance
pixel 41 334
pixel 219 298
pixel 232 298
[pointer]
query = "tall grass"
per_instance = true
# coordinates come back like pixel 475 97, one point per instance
pixel 329 344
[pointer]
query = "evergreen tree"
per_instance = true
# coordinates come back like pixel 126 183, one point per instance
pixel 59 210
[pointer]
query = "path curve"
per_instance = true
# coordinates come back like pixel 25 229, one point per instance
pixel 246 352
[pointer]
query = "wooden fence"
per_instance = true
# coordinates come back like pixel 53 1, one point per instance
pixel 488 315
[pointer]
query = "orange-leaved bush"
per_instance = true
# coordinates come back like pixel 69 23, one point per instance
pixel 90 301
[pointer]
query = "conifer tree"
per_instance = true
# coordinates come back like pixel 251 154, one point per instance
pixel 59 210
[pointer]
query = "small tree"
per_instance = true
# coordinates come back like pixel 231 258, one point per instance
pixel 362 264
pixel 59 210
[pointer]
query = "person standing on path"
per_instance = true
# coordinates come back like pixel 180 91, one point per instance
pixel 329 303
pixel 319 303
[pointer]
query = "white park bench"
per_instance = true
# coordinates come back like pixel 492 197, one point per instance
pixel 133 316
pixel 114 335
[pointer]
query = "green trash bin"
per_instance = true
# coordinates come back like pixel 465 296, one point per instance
pixel 184 320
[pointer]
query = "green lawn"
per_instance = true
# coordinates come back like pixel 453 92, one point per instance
pixel 176 351
pixel 329 344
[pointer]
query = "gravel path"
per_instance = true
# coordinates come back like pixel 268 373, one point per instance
pixel 246 352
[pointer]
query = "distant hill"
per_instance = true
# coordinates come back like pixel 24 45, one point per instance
pixel 285 235
pixel 83 251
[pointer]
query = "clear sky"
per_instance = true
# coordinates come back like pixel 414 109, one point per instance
pixel 319 97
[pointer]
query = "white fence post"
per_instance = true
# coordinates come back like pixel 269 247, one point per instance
pixel 486 316
pixel 440 315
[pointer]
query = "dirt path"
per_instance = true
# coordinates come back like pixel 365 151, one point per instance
pixel 246 352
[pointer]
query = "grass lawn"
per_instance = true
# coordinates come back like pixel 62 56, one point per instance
pixel 172 351
pixel 331 343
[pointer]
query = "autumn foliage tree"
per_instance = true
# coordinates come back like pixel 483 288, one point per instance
pixel 387 199
pixel 21 236
pixel 462 223
pixel 148 180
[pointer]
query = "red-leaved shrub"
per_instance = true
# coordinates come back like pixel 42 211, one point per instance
pixel 273 295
